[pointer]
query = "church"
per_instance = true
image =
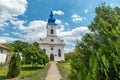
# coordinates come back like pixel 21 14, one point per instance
pixel 51 44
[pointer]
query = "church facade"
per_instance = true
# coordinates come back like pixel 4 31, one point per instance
pixel 51 44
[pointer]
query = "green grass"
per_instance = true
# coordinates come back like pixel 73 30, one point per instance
pixel 65 69
pixel 3 72
pixel 27 72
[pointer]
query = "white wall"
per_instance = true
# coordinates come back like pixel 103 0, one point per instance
pixel 54 51
pixel 48 40
pixel 49 27
pixel 3 56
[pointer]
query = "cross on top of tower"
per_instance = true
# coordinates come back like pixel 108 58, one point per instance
pixel 51 20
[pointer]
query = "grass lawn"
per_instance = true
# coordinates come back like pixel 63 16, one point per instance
pixel 3 72
pixel 65 69
pixel 27 72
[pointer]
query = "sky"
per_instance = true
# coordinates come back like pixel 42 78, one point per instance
pixel 26 19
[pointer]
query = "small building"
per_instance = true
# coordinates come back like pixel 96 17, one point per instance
pixel 51 44
pixel 9 55
pixel 3 53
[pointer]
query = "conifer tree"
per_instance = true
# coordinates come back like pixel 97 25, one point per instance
pixel 14 66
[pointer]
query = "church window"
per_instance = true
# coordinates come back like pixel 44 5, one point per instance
pixel 44 50
pixel 52 40
pixel 59 53
pixel 51 31
pixel 51 48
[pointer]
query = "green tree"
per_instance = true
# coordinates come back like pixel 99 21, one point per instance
pixel 45 58
pixel 14 66
pixel 68 56
pixel 97 55
pixel 36 44
pixel 34 55
pixel 20 45
pixel 10 46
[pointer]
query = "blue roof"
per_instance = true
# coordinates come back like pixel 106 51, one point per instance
pixel 51 20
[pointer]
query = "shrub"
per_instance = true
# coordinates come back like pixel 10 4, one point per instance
pixel 14 66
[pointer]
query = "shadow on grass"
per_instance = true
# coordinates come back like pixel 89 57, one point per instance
pixel 8 78
pixel 3 77
pixel 28 68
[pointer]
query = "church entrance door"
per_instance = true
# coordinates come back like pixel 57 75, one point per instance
pixel 51 57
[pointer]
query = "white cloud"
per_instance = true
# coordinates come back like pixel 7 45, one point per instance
pixel 72 35
pixel 11 8
pixel 2 29
pixel 36 29
pixel 6 34
pixel 4 39
pixel 66 50
pixel 76 17
pixel 113 5
pixel 86 10
pixel 58 12
pixel 16 33
pixel 18 24
pixel 58 21
pixel 66 24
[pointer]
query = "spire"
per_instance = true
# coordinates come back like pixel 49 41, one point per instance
pixel 51 20
pixel 51 14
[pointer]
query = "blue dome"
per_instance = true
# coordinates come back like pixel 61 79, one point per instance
pixel 51 20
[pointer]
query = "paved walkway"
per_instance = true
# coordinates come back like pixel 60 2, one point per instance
pixel 53 72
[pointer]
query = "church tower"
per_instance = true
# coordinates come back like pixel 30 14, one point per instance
pixel 51 44
pixel 51 26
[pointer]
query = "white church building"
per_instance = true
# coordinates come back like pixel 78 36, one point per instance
pixel 51 44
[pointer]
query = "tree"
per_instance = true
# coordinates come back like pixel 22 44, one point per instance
pixel 34 55
pixel 97 55
pixel 20 45
pixel 36 44
pixel 31 53
pixel 45 58
pixel 10 46
pixel 14 66
pixel 68 56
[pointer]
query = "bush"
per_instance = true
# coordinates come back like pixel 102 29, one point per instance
pixel 14 66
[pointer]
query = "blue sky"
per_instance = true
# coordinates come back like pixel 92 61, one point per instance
pixel 26 19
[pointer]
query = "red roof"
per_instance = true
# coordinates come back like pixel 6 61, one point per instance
pixel 3 47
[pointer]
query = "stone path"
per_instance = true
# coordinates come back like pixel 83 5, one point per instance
pixel 53 72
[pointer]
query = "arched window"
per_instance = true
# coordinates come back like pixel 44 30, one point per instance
pixel 52 31
pixel 59 53
pixel 44 50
